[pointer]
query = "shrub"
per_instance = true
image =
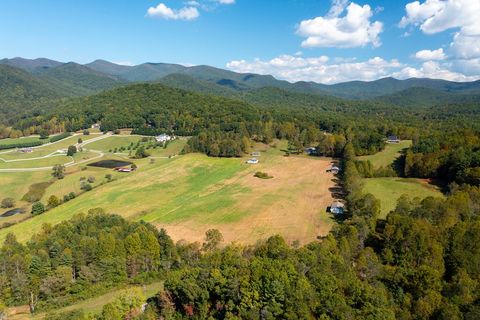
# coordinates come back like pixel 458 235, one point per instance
pixel 38 208
pixel 86 132
pixel 86 186
pixel 71 151
pixel 8 203
pixel 262 175
pixel 53 202
pixel 91 179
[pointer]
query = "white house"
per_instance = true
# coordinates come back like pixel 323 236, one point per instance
pixel 252 161
pixel 164 138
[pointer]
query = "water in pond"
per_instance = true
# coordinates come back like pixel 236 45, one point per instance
pixel 110 164
pixel 12 212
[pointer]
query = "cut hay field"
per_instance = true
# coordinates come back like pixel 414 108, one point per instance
pixel 387 156
pixel 389 191
pixel 187 195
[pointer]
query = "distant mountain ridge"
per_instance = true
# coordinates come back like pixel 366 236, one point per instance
pixel 72 79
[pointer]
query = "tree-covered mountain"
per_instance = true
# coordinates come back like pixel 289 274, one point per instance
pixel 31 64
pixel 101 74
pixel 20 91
pixel 74 79
pixel 426 97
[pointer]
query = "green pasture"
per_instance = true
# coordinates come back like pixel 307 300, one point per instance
pixel 389 190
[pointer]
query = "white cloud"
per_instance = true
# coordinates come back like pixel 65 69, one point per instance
pixel 226 1
pixel 124 63
pixel 164 12
pixel 322 69
pixel 354 29
pixel 430 55
pixel 318 69
pixel 434 70
pixel 434 16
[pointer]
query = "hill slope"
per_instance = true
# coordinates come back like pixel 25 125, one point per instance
pixel 20 91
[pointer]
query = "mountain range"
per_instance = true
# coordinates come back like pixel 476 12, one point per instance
pixel 53 79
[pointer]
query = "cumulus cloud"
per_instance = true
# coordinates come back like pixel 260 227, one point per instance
pixel 434 70
pixel 226 1
pixel 164 12
pixel 318 69
pixel 430 55
pixel 434 16
pixel 353 29
pixel 322 69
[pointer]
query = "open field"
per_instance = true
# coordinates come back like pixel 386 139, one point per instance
pixel 113 142
pixel 386 157
pixel 389 190
pixel 89 306
pixel 190 194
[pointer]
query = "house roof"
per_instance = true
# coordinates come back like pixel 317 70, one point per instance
pixel 337 204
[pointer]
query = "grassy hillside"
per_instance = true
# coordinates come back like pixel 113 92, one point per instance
pixel 189 194
pixel 386 157
pixel 389 190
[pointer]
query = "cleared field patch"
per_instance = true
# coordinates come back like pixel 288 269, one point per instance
pixel 389 190
pixel 190 194
pixel 174 148
pixel 387 156
pixel 112 142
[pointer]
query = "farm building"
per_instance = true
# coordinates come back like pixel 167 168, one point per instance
pixel 393 139
pixel 337 208
pixel 26 150
pixel 252 161
pixel 125 169
pixel 164 137
pixel 334 170
pixel 255 154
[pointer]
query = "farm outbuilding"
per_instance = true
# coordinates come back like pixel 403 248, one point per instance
pixel 393 139
pixel 337 208
pixel 334 169
pixel 252 161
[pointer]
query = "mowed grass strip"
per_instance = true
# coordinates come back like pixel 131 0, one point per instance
pixel 387 156
pixel 389 190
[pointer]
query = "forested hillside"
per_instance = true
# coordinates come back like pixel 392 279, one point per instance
pixel 20 93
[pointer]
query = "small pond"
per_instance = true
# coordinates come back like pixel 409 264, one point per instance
pixel 110 164
pixel 12 212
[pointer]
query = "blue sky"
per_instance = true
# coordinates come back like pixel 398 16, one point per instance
pixel 320 40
